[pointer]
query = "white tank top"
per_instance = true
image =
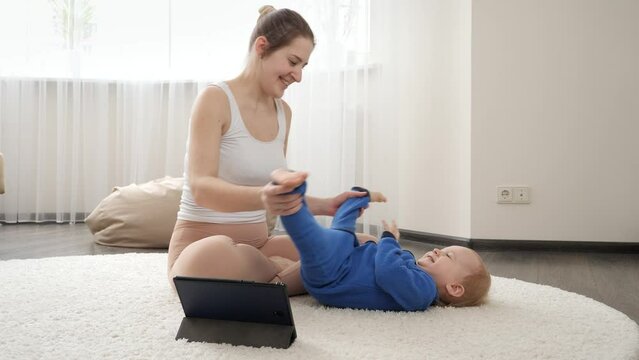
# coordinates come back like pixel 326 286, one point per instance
pixel 244 160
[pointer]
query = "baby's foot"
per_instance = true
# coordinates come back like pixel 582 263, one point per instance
pixel 377 196
pixel 288 178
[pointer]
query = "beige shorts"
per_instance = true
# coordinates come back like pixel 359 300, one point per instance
pixel 187 232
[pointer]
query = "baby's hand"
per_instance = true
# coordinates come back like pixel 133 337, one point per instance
pixel 377 196
pixel 392 228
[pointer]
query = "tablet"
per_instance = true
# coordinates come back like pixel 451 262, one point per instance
pixel 235 312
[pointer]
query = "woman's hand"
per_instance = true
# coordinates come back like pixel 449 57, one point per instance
pixel 277 201
pixel 274 194
pixel 329 206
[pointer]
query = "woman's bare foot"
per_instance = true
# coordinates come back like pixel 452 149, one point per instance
pixel 281 262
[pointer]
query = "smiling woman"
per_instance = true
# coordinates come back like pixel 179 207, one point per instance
pixel 238 135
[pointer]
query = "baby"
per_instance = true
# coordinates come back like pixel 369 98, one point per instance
pixel 339 271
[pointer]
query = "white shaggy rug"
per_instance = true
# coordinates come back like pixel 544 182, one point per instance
pixel 121 307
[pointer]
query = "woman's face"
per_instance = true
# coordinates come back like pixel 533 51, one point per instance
pixel 284 66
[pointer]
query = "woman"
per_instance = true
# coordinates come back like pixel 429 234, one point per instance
pixel 237 136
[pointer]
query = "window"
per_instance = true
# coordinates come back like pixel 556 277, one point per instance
pixel 156 39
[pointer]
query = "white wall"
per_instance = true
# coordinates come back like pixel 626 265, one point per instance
pixel 555 105
pixel 426 71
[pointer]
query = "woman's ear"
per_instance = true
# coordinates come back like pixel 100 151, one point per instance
pixel 455 289
pixel 260 45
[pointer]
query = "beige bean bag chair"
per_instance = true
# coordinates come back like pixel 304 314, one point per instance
pixel 140 216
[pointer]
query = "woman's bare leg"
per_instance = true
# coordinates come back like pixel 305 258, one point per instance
pixel 219 257
pixel 281 249
pixel 256 258
pixel 292 277
pixel 280 245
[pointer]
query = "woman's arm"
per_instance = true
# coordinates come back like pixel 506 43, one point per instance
pixel 209 119
pixel 329 206
pixel 278 201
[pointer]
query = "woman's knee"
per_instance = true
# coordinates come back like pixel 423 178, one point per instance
pixel 204 257
pixel 220 257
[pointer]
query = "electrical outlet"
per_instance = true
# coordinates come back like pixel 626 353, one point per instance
pixel 513 195
pixel 504 194
pixel 521 195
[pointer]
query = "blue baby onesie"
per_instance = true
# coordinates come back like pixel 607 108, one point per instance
pixel 339 272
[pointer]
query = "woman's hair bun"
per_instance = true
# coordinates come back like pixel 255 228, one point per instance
pixel 266 9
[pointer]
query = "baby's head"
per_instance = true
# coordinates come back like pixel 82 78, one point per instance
pixel 460 275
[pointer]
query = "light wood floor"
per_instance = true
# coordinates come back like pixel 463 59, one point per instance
pixel 611 278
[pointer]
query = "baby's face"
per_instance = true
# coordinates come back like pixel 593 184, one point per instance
pixel 450 264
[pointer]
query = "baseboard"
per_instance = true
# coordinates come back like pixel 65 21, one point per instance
pixel 522 245
pixel 437 239
pixel 546 245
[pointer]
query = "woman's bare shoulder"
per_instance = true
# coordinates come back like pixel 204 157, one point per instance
pixel 213 95
pixel 212 101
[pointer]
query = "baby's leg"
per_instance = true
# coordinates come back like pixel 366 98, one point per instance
pixel 322 251
pixel 219 257
pixel 349 211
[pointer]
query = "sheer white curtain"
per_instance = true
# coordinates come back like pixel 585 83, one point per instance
pixel 334 108
pixel 68 142
pixel 104 100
